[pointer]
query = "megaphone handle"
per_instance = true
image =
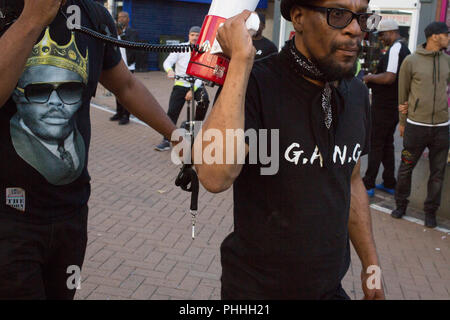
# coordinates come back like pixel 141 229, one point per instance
pixel 252 25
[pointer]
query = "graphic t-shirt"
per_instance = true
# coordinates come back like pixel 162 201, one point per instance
pixel 290 238
pixel 45 126
pixel 264 47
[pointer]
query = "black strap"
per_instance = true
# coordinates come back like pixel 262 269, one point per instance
pixel 188 181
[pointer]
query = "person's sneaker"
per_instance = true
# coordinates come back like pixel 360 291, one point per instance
pixel 115 117
pixel 163 146
pixel 398 213
pixel 371 193
pixel 382 187
pixel 430 220
pixel 124 121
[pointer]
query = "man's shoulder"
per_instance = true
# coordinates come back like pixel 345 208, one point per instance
pixel 446 56
pixel 269 41
pixel 411 58
pixel 396 46
pixel 266 66
pixel 98 9
pixel 355 85
pixel 355 93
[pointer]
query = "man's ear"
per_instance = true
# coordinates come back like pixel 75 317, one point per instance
pixel 435 38
pixel 298 17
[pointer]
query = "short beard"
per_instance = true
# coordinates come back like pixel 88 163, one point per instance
pixel 333 71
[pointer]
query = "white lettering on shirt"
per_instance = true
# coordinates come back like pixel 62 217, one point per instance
pixel 296 155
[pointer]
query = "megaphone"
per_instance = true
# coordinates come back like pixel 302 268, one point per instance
pixel 209 63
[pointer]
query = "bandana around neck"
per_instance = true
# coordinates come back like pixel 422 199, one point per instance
pixel 325 107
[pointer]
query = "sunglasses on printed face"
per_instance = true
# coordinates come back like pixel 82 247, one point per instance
pixel 339 18
pixel 69 92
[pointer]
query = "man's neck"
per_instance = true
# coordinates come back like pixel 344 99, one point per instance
pixel 432 47
pixel 397 38
pixel 302 49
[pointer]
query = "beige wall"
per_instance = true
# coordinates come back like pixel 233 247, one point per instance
pixel 269 12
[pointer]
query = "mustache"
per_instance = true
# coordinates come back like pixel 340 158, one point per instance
pixel 350 45
pixel 55 112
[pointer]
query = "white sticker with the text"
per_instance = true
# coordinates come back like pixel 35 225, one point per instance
pixel 15 198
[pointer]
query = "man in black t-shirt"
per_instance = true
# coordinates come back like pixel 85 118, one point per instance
pixel 264 47
pixel 49 74
pixel 384 86
pixel 294 214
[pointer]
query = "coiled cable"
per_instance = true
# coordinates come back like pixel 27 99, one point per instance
pixel 179 48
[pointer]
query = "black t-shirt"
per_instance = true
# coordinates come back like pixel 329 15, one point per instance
pixel 264 48
pixel 290 238
pixel 386 96
pixel 45 127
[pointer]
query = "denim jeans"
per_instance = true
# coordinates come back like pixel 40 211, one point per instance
pixel 34 258
pixel 416 139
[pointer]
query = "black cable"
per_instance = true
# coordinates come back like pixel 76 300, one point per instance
pixel 106 38
pixel 180 48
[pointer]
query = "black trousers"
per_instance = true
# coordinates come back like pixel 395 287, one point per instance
pixel 177 101
pixel 34 258
pixel 384 123
pixel 415 140
pixel 121 111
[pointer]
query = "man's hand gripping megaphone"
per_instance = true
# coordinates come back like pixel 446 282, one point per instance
pixel 246 24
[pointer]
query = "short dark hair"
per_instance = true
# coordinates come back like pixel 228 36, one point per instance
pixel 435 28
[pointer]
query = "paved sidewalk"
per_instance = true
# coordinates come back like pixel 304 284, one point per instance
pixel 139 230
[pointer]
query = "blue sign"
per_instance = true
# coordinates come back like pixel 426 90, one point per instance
pixel 262 3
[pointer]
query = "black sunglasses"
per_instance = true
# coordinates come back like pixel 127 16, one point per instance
pixel 340 18
pixel 69 92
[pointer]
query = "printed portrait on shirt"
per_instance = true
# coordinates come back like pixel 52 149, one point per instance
pixel 49 93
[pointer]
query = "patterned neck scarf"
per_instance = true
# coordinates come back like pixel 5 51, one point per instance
pixel 325 107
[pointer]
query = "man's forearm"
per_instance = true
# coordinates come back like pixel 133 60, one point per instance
pixel 360 224
pixel 384 78
pixel 227 113
pixel 15 47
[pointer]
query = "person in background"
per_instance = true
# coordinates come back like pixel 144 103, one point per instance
pixel 384 86
pixel 181 91
pixel 423 81
pixel 125 33
pixel 264 47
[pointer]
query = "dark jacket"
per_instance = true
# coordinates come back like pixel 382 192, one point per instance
pixel 130 35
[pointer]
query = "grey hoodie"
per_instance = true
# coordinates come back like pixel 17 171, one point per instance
pixel 423 81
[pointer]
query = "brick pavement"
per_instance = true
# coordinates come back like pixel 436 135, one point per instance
pixel 139 233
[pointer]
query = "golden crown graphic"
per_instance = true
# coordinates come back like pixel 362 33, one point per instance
pixel 48 52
